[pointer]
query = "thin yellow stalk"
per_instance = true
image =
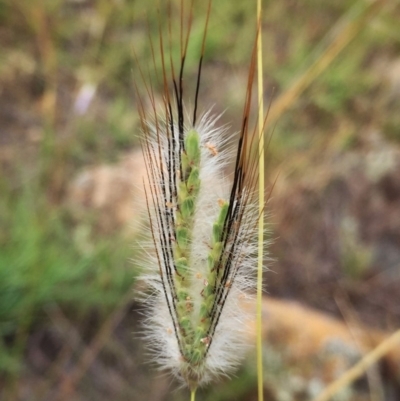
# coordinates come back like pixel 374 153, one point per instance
pixel 261 206
pixel 193 395
pixel 359 368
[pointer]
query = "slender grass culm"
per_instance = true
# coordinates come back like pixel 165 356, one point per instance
pixel 202 265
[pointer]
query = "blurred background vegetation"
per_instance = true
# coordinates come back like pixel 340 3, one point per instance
pixel 70 167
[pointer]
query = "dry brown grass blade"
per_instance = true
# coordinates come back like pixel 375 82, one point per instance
pixel 70 381
pixel 38 19
pixel 73 342
pixel 360 335
pixel 327 56
pixel 359 368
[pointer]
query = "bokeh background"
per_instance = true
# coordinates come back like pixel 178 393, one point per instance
pixel 71 203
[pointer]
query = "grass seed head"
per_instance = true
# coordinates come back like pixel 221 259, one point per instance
pixel 204 231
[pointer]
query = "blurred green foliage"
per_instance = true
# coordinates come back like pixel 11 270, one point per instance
pixel 45 258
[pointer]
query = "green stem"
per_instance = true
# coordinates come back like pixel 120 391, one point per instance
pixel 193 395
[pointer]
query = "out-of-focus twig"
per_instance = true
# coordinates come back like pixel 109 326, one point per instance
pixel 325 58
pixel 73 343
pixel 359 368
pixel 66 387
pixel 37 17
pixel 360 336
